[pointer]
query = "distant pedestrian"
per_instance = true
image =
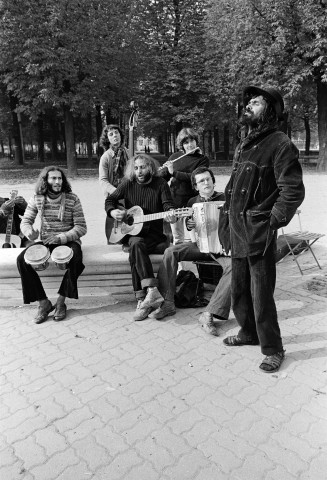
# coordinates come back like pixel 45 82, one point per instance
pixel 262 195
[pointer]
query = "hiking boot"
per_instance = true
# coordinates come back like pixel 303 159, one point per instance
pixel 208 324
pixel 165 310
pixel 141 312
pixel 153 298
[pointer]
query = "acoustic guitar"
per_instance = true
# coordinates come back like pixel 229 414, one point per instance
pixel 133 221
pixel 7 240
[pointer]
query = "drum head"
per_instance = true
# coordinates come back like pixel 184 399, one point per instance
pixel 37 254
pixel 62 254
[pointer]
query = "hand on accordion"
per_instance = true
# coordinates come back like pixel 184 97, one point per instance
pixel 190 223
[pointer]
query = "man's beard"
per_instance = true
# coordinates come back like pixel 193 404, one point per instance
pixel 51 190
pixel 146 177
pixel 249 120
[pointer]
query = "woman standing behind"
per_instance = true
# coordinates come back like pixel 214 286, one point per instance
pixel 112 164
pixel 180 171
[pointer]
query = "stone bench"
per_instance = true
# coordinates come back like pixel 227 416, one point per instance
pixel 107 276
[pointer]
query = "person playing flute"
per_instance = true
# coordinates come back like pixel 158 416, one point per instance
pixel 178 169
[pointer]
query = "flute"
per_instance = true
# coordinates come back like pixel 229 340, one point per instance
pixel 175 160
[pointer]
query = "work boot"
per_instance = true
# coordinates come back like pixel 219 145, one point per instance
pixel 165 310
pixel 153 298
pixel 141 311
pixel 207 323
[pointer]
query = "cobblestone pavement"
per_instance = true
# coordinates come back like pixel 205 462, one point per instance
pixel 101 397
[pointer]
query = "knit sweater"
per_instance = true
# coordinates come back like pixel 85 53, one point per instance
pixel 152 197
pixel 180 185
pixel 62 216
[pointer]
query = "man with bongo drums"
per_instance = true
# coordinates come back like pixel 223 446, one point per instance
pixel 62 224
pixel 218 309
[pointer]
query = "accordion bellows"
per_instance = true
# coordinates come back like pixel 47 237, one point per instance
pixel 206 217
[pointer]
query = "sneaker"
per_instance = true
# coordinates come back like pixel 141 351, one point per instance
pixel 141 311
pixel 208 324
pixel 165 310
pixel 153 298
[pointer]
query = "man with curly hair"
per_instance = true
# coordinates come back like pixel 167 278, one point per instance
pixel 62 223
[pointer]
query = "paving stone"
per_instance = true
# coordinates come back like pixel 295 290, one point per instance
pixel 29 452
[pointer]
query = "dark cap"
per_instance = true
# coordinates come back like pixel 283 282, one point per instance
pixel 271 94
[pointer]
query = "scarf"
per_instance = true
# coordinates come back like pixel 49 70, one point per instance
pixel 120 160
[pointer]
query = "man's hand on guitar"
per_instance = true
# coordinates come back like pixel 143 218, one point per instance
pixel 7 206
pixel 170 217
pixel 118 214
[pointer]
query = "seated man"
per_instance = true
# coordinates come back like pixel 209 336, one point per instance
pixel 143 187
pixel 62 223
pixel 19 205
pixel 203 181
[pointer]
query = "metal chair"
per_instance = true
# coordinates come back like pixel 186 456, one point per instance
pixel 299 242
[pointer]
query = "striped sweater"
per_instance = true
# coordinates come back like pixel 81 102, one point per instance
pixel 62 216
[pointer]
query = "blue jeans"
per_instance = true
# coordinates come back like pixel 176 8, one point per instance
pixel 253 286
pixel 220 302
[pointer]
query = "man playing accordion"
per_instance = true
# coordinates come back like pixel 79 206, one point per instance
pixel 203 181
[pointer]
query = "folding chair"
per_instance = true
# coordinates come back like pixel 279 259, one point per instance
pixel 299 242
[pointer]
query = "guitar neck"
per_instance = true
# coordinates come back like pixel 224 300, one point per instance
pixel 10 218
pixel 150 217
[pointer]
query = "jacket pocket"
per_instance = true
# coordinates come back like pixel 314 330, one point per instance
pixel 257 226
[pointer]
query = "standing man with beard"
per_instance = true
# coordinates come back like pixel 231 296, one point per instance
pixel 143 187
pixel 262 195
pixel 62 223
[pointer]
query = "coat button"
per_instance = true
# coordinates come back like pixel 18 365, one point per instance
pixel 248 169
pixel 230 191
pixel 234 169
pixel 243 191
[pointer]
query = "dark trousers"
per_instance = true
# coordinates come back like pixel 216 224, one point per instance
pixel 253 286
pixel 142 271
pixel 31 283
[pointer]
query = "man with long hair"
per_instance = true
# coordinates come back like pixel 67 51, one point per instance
pixel 112 165
pixel 62 222
pixel 143 187
pixel 262 195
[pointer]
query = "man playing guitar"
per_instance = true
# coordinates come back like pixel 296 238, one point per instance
pixel 143 187
pixel 10 211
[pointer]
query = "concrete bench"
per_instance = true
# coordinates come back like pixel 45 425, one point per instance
pixel 107 276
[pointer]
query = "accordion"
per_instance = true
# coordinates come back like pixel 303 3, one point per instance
pixel 206 217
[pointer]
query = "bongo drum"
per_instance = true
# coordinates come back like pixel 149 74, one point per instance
pixel 61 256
pixel 37 256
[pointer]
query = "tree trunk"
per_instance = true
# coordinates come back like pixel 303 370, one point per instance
pixel 216 138
pixel 226 142
pixel 18 151
pixel 98 126
pixel 54 137
pixel 89 138
pixel 322 124
pixel 40 139
pixel 70 143
pixel 307 134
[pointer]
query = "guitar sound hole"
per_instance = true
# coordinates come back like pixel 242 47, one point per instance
pixel 130 220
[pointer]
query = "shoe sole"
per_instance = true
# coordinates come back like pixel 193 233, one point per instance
pixel 170 314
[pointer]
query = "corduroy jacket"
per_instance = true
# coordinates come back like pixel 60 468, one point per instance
pixel 263 193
